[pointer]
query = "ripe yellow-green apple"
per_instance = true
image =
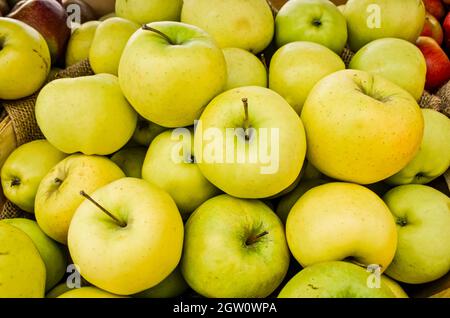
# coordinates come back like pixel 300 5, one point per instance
pixel 146 131
pixel 338 221
pixel 22 270
pixel 288 201
pixel 88 292
pixel 334 280
pixel 297 67
pixel 361 127
pixel 85 114
pixel 394 286
pixel 130 244
pixel 109 41
pixel 130 160
pixel 423 222
pixel 265 151
pixel 369 20
pixel 172 286
pixel 397 60
pixel 247 25
pixel 234 248
pixel 433 158
pixel 187 68
pixel 146 11
pixel 80 42
pixel 244 69
pixel 170 164
pixel 24 169
pixel 107 16
pixel 53 254
pixel 318 21
pixel 58 290
pixel 58 195
pixel 24 59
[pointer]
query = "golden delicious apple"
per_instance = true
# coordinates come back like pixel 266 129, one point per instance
pixel 146 11
pixel 88 292
pixel 360 127
pixel 169 71
pixel 172 286
pixel 107 46
pixel 394 286
pixel 244 69
pixel 24 59
pixel 297 67
pixel 339 221
pixel 24 169
pixel 86 114
pixel 58 195
pixel 130 244
pixel 130 160
pixel 247 25
pixel 80 42
pixel 22 271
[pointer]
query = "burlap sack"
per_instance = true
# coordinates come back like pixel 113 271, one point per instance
pixel 21 113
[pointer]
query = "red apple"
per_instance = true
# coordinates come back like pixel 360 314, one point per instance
pixel 438 63
pixel 446 26
pixel 48 17
pixel 433 29
pixel 435 8
pixel 87 13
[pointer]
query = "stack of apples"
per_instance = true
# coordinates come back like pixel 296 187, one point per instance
pixel 189 161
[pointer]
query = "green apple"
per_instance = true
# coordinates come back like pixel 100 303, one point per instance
pixel 24 169
pixel 58 290
pixel 136 243
pixel 22 271
pixel 244 69
pixel 24 59
pixel 234 248
pixel 86 114
pixel 53 254
pixel 172 286
pixel 334 280
pixel 394 286
pixel 247 25
pixel 187 68
pixel 361 127
pixel 179 176
pixel 338 221
pixel 397 60
pixel 433 158
pixel 58 195
pixel 146 131
pixel 288 201
pixel 130 160
pixel 107 46
pixel 423 222
pixel 265 151
pixel 318 21
pixel 369 20
pixel 297 67
pixel 88 292
pixel 80 42
pixel 107 16
pixel 146 11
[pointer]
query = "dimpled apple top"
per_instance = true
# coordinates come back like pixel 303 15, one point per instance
pixel 361 127
pixel 334 280
pixel 247 25
pixel 337 221
pixel 22 271
pixel 129 259
pixel 169 71
pixel 234 248
pixel 278 140
pixel 24 59
pixel 86 114
pixel 369 20
pixel 318 21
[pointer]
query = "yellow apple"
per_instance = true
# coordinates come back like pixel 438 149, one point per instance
pixel 339 221
pixel 80 42
pixel 58 195
pixel 146 11
pixel 88 292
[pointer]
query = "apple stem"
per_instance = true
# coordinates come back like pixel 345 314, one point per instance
pixel 15 182
pixel 246 118
pixel 84 194
pixel 263 60
pixel 165 36
pixel 253 239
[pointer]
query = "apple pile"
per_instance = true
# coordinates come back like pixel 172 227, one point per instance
pixel 193 160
